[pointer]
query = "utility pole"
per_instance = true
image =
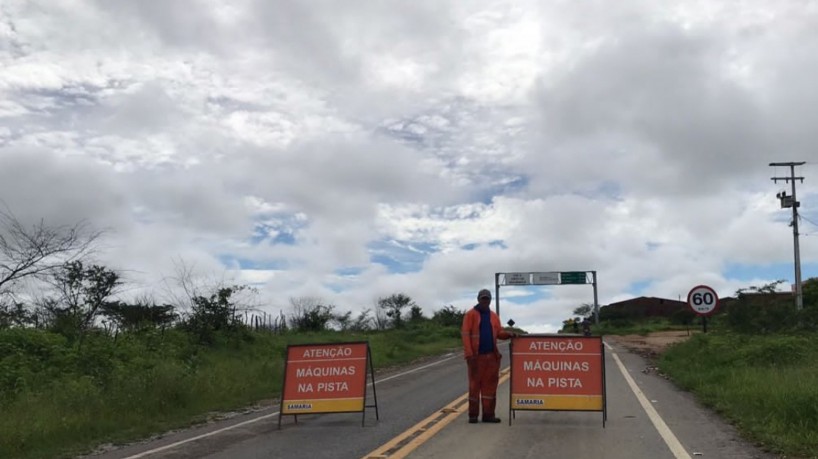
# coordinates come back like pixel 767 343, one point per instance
pixel 790 201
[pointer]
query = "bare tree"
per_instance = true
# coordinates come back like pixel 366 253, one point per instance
pixel 394 305
pixel 39 250
pixel 310 313
pixel 381 320
pixel 181 288
pixel 343 320
pixel 185 289
pixel 362 322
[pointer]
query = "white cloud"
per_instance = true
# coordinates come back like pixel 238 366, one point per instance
pixel 351 152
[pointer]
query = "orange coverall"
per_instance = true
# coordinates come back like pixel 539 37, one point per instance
pixel 484 369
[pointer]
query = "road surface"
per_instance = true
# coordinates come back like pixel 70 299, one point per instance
pixel 421 416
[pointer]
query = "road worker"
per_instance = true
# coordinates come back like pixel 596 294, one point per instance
pixel 480 331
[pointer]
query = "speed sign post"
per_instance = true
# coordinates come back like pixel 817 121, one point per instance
pixel 703 300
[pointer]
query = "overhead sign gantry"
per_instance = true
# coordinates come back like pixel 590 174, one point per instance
pixel 546 278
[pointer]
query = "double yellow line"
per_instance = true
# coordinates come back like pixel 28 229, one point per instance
pixel 420 433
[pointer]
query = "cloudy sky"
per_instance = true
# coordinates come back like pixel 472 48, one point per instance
pixel 351 150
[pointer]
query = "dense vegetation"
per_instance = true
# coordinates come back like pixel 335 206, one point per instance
pixel 753 310
pixel 82 363
pixel 757 366
pixel 59 398
pixel 767 385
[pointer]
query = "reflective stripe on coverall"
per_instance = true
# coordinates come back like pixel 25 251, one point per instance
pixel 484 373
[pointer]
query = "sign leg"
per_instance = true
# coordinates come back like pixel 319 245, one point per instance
pixel 372 376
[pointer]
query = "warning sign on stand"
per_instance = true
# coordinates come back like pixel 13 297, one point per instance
pixel 326 378
pixel 558 373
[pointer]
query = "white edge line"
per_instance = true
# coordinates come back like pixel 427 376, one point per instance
pixel 413 370
pixel 610 348
pixel 260 418
pixel 198 437
pixel 667 435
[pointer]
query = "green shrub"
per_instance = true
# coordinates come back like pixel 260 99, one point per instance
pixel 60 398
pixel 766 384
pixel 783 350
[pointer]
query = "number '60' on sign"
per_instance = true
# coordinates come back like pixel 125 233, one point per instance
pixel 703 300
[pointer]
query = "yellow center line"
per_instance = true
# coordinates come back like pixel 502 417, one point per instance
pixel 408 441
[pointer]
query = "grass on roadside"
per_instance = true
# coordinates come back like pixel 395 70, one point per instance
pixel 644 327
pixel 58 401
pixel 766 385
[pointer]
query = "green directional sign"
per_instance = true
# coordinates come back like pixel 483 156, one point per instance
pixel 573 277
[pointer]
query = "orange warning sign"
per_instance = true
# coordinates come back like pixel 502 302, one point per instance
pixel 554 372
pixel 325 378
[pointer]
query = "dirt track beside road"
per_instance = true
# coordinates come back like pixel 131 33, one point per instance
pixel 652 344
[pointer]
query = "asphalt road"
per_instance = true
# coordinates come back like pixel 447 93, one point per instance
pixel 404 398
pixel 684 429
pixel 629 432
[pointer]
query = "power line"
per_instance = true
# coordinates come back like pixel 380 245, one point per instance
pixel 808 220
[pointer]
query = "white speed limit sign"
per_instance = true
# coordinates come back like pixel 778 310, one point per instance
pixel 702 300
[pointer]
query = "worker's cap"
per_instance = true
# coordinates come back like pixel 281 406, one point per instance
pixel 485 293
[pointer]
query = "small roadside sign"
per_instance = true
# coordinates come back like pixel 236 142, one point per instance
pixel 703 300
